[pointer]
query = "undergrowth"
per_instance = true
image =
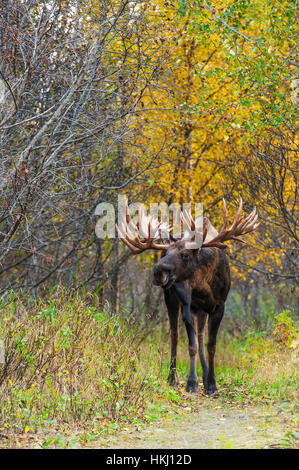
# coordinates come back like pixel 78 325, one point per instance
pixel 257 367
pixel 73 370
pixel 67 364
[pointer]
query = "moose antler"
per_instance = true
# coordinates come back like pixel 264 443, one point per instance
pixel 148 227
pixel 238 227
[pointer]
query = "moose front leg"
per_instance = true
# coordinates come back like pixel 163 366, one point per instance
pixel 201 321
pixel 184 294
pixel 213 326
pixel 173 309
pixel 192 382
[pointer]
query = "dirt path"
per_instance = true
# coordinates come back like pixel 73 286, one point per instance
pixel 211 427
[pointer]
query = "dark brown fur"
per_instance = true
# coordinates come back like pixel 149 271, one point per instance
pixel 197 283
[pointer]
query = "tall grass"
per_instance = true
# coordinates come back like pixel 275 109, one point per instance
pixel 68 362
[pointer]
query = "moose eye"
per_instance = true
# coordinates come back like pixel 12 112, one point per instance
pixel 185 256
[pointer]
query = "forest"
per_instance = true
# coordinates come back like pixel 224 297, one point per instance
pixel 160 102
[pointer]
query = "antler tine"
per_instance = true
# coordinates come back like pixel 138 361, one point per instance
pixel 204 229
pixel 252 226
pixel 187 219
pixel 237 216
pixel 192 221
pixel 129 221
pixel 143 224
pixel 128 217
pixel 224 214
pixel 248 224
pixel 248 219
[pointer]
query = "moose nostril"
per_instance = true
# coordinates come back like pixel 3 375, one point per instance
pixel 161 275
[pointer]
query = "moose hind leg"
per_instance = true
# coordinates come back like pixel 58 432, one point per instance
pixel 201 321
pixel 213 326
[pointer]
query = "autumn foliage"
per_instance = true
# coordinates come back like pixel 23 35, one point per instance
pixel 161 101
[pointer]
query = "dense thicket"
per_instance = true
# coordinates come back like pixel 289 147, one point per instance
pixel 163 101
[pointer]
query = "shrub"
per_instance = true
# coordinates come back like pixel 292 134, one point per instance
pixel 67 362
pixel 284 330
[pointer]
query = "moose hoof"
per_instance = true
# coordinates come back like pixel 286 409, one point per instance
pixel 212 391
pixel 191 386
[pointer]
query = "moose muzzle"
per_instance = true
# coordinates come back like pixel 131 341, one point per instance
pixel 163 275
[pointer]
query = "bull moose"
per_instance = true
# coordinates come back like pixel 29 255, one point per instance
pixel 195 281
